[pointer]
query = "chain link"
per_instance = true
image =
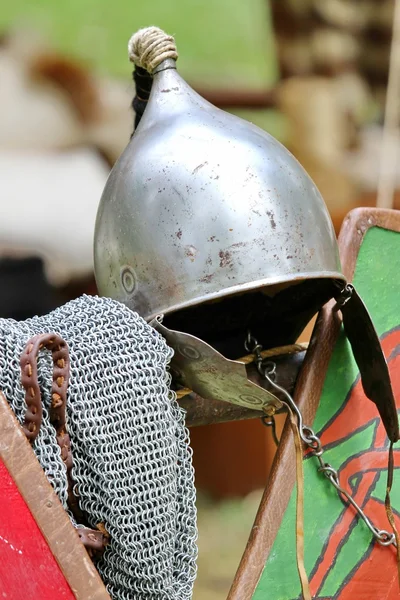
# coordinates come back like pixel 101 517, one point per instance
pixel 270 422
pixel 267 370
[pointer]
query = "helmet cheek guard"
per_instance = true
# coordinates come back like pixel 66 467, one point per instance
pixel 209 222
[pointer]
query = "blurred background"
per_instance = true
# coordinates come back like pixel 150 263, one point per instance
pixel 313 73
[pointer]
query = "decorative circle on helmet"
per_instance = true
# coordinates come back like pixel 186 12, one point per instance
pixel 189 352
pixel 249 399
pixel 128 279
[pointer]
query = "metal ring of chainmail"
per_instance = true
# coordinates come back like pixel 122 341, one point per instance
pixel 132 463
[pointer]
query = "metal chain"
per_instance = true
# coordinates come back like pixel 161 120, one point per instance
pixel 270 422
pixel 267 370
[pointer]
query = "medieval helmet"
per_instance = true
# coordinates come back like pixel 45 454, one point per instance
pixel 206 208
pixel 209 221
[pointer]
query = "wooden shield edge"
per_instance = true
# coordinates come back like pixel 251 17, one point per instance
pixel 307 396
pixel 47 510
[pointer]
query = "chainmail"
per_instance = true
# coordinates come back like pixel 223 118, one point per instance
pixel 132 463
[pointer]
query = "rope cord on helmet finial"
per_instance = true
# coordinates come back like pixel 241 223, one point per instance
pixel 149 47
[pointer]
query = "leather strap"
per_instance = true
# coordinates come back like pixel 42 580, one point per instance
pixel 370 359
pixel 94 540
pixel 33 399
pixel 305 586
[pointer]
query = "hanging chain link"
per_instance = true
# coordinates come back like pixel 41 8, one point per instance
pixel 270 422
pixel 267 370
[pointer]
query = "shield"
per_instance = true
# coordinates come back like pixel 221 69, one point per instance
pixel 342 557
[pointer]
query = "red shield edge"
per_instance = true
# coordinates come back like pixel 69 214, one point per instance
pixel 41 555
pixel 28 568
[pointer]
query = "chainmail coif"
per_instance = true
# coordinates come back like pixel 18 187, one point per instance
pixel 131 460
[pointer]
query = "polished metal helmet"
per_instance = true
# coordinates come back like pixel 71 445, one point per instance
pixel 204 206
pixel 209 221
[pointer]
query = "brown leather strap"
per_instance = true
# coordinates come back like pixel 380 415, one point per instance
pixel 305 586
pixel 93 540
pixel 29 380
